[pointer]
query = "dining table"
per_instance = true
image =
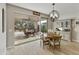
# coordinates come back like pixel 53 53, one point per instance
pixel 54 38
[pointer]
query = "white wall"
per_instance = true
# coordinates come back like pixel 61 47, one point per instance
pixel 75 36
pixel 14 12
pixel 57 24
pixel 2 34
pixel 66 10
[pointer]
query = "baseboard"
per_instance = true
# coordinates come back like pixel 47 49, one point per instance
pixel 10 47
pixel 76 41
pixel 65 40
pixel 25 42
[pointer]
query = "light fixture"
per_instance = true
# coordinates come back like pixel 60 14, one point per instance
pixel 54 15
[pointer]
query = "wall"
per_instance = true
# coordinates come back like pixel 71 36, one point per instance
pixel 57 24
pixel 12 13
pixel 2 34
pixel 75 30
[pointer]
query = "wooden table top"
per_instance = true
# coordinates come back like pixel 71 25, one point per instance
pixel 54 36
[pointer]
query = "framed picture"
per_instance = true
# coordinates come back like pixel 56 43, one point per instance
pixel 66 24
pixel 62 24
pixel 77 22
pixel 36 13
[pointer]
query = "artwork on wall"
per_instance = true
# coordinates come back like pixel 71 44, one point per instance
pixel 77 22
pixel 62 24
pixel 36 13
pixel 22 24
pixel 66 23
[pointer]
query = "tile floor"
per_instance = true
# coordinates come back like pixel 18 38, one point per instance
pixel 34 48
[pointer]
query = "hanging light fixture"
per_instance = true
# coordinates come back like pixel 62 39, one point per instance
pixel 54 15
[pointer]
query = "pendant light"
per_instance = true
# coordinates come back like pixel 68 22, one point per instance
pixel 54 15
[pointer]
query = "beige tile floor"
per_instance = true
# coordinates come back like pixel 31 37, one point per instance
pixel 34 48
pixel 21 38
pixel 25 40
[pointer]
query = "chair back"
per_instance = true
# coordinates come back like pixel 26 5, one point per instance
pixel 50 34
pixel 42 36
pixel 57 38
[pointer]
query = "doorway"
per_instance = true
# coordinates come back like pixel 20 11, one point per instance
pixel 44 26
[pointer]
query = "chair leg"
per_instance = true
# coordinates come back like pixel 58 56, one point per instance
pixel 59 44
pixel 54 45
pixel 40 42
pixel 49 45
pixel 43 44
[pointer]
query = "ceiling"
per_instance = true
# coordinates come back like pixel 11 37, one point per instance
pixel 66 9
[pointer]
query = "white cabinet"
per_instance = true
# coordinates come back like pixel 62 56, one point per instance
pixel 2 28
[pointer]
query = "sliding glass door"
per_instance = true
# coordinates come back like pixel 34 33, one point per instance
pixel 43 26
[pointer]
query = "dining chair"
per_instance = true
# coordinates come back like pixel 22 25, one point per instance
pixel 55 42
pixel 45 40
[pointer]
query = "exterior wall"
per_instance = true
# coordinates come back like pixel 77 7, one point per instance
pixel 2 34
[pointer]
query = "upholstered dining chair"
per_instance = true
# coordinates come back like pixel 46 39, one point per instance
pixel 45 40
